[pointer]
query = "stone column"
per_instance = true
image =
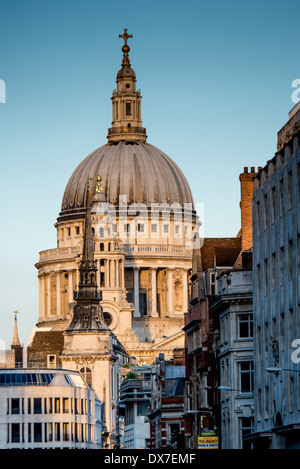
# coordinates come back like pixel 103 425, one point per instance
pixel 117 273
pixel 42 297
pixel 154 293
pixel 170 292
pixel 185 291
pixel 136 313
pixel 122 274
pixel 106 263
pixel 58 294
pixel 98 273
pixel 70 285
pixel 48 308
pixel 113 273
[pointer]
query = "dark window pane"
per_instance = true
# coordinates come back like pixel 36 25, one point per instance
pixel 15 432
pixel 37 405
pixel 37 432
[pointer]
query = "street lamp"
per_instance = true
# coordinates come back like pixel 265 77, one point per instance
pixel 277 370
pixel 228 388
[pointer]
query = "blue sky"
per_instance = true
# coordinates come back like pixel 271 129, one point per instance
pixel 216 83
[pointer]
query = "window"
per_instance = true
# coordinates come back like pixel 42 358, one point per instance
pixel 57 405
pixel 273 266
pixel 15 406
pixel 290 190
pixel 77 230
pixel 69 231
pixel 50 431
pixel 101 232
pixel 273 204
pixel 37 405
pixel 245 325
pixel 281 265
pixel 87 372
pixel 173 433
pixel 246 376
pixel 212 283
pixel 76 406
pixel 57 431
pixel 65 405
pixel 66 432
pixel 141 227
pixel 281 198
pixel 37 432
pixel 128 108
pixel 15 432
pixel 154 228
pixel 246 428
pixel 257 217
pixel 102 279
pixel 265 211
pixel 51 361
pixel 166 228
pixel 266 277
pixel 290 260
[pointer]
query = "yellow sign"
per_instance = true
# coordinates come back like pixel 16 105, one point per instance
pixel 208 442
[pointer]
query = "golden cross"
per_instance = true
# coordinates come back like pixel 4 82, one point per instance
pixel 125 36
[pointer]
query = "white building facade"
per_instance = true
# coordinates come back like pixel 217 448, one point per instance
pixel 48 409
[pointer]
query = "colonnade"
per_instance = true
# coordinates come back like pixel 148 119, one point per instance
pixel 153 296
pixel 52 302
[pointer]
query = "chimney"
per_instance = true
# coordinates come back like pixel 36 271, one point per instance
pixel 246 179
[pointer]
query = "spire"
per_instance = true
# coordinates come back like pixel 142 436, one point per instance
pixel 126 103
pixel 88 314
pixel 88 243
pixel 15 341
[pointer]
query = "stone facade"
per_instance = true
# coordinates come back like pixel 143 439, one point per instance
pixel 276 274
pixel 233 305
pixel 142 247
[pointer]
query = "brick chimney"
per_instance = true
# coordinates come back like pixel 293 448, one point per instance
pixel 246 179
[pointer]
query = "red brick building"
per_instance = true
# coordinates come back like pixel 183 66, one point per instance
pixel 216 255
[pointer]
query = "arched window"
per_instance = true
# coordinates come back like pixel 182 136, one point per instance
pixel 101 246
pixel 87 375
pixel 101 232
